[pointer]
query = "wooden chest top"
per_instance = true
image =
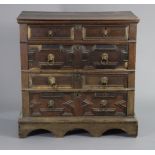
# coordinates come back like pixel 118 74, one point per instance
pixel 125 16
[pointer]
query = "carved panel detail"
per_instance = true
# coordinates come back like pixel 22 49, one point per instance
pixel 78 56
pixel 84 104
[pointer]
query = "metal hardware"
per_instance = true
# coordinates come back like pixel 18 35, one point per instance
pixel 77 94
pixel 30 81
pixel 104 58
pixel 103 103
pixel 52 81
pixel 51 104
pixel 51 58
pixel 104 81
pixel 29 32
pixel 50 33
pixel 126 64
pixel 105 31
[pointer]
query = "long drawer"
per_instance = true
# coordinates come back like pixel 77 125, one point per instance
pixel 78 104
pixel 78 32
pixel 103 56
pixel 70 80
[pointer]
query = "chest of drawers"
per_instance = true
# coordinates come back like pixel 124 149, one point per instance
pixel 78 72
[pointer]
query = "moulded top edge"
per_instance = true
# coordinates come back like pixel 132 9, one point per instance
pixel 104 16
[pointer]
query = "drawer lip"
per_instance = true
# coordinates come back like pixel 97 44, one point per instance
pixel 78 90
pixel 115 71
pixel 116 41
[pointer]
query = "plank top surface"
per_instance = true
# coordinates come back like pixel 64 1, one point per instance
pixel 46 16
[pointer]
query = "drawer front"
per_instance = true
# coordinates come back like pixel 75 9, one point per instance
pixel 103 81
pixel 50 32
pixel 94 80
pixel 94 32
pixel 52 56
pixel 78 56
pixel 51 81
pixel 46 57
pixel 78 104
pixel 109 56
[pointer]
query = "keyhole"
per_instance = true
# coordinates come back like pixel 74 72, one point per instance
pixel 77 94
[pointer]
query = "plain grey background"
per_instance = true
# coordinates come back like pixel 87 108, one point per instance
pixel 10 95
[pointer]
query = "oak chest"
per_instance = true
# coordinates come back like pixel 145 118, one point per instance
pixel 78 72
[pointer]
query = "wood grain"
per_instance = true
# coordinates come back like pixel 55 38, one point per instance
pixel 92 72
pixel 132 56
pixel 23 32
pixel 130 106
pixel 25 104
pixel 48 16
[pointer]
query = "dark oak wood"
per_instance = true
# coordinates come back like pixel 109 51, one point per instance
pixel 78 69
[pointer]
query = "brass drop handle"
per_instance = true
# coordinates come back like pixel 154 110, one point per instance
pixel 126 64
pixel 51 58
pixel 104 58
pixel 52 81
pixel 103 103
pixel 104 81
pixel 51 104
pixel 50 33
pixel 105 32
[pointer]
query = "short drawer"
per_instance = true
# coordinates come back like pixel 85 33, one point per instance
pixel 46 57
pixel 78 104
pixel 109 56
pixel 50 81
pixel 50 32
pixel 96 32
pixel 105 80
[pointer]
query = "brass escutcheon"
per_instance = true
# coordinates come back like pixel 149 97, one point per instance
pixel 50 103
pixel 52 81
pixel 126 64
pixel 104 81
pixel 103 103
pixel 104 58
pixel 50 33
pixel 105 32
pixel 51 58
